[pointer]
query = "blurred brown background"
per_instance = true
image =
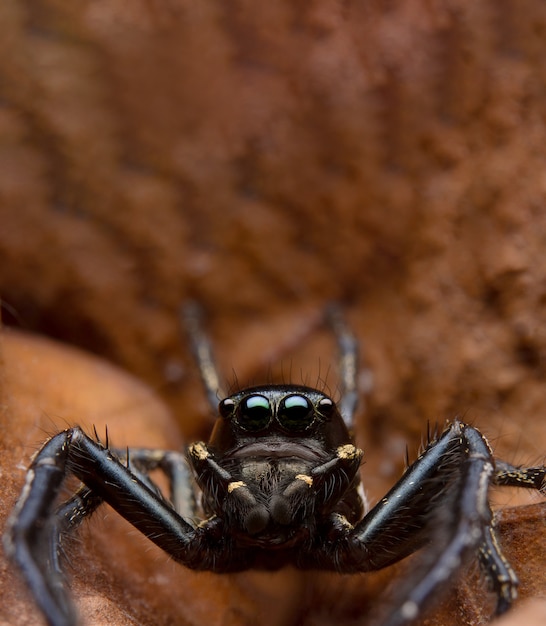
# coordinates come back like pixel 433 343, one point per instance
pixel 267 158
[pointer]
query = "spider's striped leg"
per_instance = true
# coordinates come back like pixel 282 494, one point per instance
pixel 516 476
pixel 500 575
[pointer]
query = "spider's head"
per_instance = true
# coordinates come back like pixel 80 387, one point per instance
pixel 272 415
pixel 288 457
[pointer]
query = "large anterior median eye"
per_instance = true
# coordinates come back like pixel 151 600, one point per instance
pixel 254 413
pixel 295 413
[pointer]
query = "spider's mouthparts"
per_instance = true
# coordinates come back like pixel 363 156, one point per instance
pixel 258 517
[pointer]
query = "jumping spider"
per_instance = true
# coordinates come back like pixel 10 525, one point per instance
pixel 279 485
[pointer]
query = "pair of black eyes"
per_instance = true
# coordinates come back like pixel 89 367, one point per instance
pixel 254 413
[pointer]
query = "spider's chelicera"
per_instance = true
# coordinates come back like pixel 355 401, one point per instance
pixel 277 484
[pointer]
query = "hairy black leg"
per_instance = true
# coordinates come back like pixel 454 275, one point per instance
pixel 348 364
pixel 514 476
pixel 501 577
pixel 461 526
pixel 35 524
pixel 68 516
pixel 175 467
pixel 454 472
pixel 31 533
pixel 202 351
pixel 117 485
pixel 398 524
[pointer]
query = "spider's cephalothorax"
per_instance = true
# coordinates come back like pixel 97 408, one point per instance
pixel 277 484
pixel 279 464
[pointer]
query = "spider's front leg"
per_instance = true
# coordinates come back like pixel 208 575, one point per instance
pixel 173 464
pixel 442 499
pixel 33 535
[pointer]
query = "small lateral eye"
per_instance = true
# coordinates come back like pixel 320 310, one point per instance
pixel 226 407
pixel 295 413
pixel 325 407
pixel 254 413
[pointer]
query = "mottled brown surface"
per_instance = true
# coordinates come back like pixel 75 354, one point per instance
pixel 265 158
